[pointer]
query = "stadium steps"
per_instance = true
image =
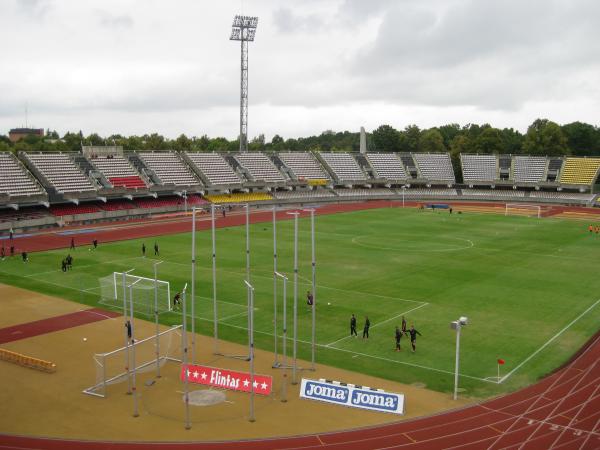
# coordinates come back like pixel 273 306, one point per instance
pixel 195 170
pixel 139 165
pixel 91 171
pixel 237 167
pixel 366 166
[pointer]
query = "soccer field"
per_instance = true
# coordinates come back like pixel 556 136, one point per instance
pixel 529 287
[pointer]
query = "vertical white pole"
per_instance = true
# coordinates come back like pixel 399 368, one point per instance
pixel 457 359
pixel 214 279
pixel 133 387
pixel 248 260
pixel 294 381
pixel 251 314
pixel 156 317
pixel 276 362
pixel 185 364
pixel 314 288
pixel 285 321
pixel 193 283
pixel 126 336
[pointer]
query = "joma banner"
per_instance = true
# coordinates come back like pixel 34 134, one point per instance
pixel 227 379
pixel 353 396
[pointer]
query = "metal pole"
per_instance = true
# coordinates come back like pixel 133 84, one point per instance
pixel 403 189
pixel 124 274
pixel 314 288
pixel 193 283
pixel 248 260
pixel 251 345
pixel 185 364
pixel 133 387
pixel 214 279
pixel 156 317
pixel 294 381
pixel 285 280
pixel 457 359
pixel 276 362
pixel 185 200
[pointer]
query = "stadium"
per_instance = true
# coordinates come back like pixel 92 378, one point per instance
pixel 391 235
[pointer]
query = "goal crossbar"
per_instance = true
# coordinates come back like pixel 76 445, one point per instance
pixel 522 207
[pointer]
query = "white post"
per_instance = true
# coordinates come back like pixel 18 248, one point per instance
pixel 185 363
pixel 295 344
pixel 156 317
pixel 193 284
pixel 124 274
pixel 248 259
pixel 133 387
pixel 214 279
pixel 457 361
pixel 251 347
pixel 314 288
pixel 276 362
pixel 185 200
pixel 403 190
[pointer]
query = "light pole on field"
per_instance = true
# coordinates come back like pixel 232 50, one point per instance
pixel 457 325
pixel 314 283
pixel 403 190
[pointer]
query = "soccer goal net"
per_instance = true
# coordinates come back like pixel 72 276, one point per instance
pixel 516 209
pixel 150 353
pixel 148 294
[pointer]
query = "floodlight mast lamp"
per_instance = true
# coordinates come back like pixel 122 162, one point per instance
pixel 244 30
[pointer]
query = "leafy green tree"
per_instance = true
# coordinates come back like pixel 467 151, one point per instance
pixel 386 139
pixel 545 138
pixel 409 139
pixel 182 143
pixel 582 139
pixel 489 141
pixel 431 141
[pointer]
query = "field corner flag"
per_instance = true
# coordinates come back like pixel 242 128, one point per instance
pixel 500 363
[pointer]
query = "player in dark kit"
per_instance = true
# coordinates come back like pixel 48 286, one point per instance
pixel 144 250
pixel 24 255
pixel 95 243
pixel 366 328
pixel 177 300
pixel 398 337
pixel 413 337
pixel 3 253
pixel 72 244
pixel 309 298
pixel 63 265
pixel 128 326
pixel 404 326
pixel 353 326
pixel 156 253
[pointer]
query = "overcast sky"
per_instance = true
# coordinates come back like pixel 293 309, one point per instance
pixel 137 66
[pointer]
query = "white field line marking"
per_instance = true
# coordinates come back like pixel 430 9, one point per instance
pixel 549 341
pixel 97 313
pixel 379 323
pixel 355 241
pixel 353 352
pixel 243 313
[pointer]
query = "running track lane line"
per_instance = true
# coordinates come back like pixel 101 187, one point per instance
pixel 52 324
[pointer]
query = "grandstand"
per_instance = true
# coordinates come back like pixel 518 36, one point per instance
pixel 428 193
pixel 343 166
pixel 15 180
pixel 364 192
pixel 118 171
pixel 493 194
pixel 169 168
pixel 259 167
pixel 59 172
pixel 213 168
pixel 580 171
pixel 479 167
pixel 529 169
pixel 303 165
pixel 435 167
pixel 387 166
pixel 303 195
pixel 239 197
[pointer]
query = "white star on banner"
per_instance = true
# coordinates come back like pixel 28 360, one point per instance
pixel 189 373
pixel 196 374
pixel 203 375
pixel 263 385
pixel 246 383
pixel 255 384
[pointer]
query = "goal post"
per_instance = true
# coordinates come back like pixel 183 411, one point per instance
pixel 521 209
pixel 109 365
pixel 143 290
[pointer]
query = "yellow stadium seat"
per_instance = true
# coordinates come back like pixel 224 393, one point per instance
pixel 580 171
pixel 239 198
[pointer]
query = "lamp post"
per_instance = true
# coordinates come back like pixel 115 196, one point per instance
pixel 185 200
pixel 457 325
pixel 403 190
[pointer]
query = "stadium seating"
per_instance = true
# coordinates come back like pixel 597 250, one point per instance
pixel 364 192
pixel 387 166
pixel 303 165
pixel 435 166
pixel 562 195
pixel 118 171
pixel 344 166
pixel 14 178
pixel 493 193
pixel 239 198
pixel 529 169
pixel 214 167
pixel 260 167
pixel 10 215
pixel 117 205
pixel 442 193
pixel 61 172
pixel 169 168
pixel 580 171
pixel 303 195
pixel 479 167
pixel 70 210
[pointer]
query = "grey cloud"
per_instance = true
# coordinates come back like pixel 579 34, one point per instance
pixel 111 21
pixel 287 21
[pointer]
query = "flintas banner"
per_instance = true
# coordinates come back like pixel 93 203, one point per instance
pixel 227 379
pixel 353 396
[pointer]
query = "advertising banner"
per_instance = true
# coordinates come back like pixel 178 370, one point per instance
pixel 227 379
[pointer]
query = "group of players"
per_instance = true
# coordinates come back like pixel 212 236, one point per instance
pixel 594 229
pixel 412 332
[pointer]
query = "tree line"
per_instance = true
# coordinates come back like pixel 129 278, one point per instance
pixel 543 137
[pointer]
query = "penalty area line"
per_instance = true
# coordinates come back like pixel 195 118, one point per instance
pixel 548 342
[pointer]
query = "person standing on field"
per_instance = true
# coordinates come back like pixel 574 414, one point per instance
pixel 353 326
pixel 366 328
pixel 398 337
pixel 144 250
pixel 413 337
pixel 72 244
pixel 156 253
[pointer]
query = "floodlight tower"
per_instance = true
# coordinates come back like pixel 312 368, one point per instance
pixel 243 30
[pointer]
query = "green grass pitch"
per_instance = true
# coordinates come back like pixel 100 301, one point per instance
pixel 530 288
